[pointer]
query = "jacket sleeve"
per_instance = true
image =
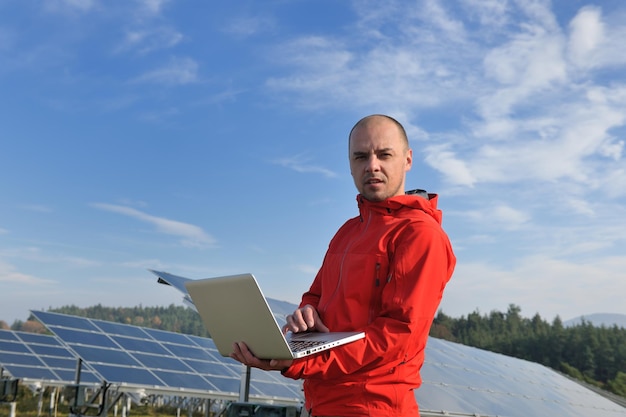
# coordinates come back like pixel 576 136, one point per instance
pixel 421 264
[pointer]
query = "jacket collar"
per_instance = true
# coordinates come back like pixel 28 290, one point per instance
pixel 412 200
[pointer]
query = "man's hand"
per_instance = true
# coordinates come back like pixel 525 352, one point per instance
pixel 305 319
pixel 242 354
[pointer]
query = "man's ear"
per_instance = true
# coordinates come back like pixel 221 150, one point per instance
pixel 409 160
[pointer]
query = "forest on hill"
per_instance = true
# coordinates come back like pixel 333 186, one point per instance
pixel 593 354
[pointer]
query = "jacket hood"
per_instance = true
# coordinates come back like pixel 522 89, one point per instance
pixel 414 199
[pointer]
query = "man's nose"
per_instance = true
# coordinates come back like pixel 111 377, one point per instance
pixel 373 164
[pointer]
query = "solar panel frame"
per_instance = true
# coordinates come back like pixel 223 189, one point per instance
pixel 40 359
pixel 8 335
pixel 15 347
pixel 98 355
pixel 60 351
pixel 21 359
pixel 120 329
pixel 159 361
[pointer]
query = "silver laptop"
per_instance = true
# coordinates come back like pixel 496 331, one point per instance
pixel 233 309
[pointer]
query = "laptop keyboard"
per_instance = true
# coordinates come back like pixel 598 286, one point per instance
pixel 298 345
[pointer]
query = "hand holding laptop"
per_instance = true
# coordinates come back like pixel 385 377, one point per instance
pixel 242 353
pixel 302 320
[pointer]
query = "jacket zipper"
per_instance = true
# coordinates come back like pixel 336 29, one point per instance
pixel 375 293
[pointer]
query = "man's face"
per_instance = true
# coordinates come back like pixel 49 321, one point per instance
pixel 379 159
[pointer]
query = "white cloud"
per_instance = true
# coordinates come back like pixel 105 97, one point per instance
pixel 192 235
pixel 586 35
pixel 178 71
pixel 152 6
pixel 509 217
pixel 532 59
pixel 615 183
pixel 245 27
pixel 9 274
pixel 300 164
pixel 596 40
pixel 159 115
pixel 498 216
pixel 539 12
pixel 70 5
pixel 529 64
pixel 396 77
pixel 437 15
pixel 34 254
pixel 557 144
pixel 455 170
pixel 550 286
pixel 36 207
pixel 148 40
pixel 580 205
pixel 144 264
pixel 490 13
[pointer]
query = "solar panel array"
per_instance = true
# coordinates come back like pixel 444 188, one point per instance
pixel 463 379
pixel 457 379
pixel 160 361
pixel 40 358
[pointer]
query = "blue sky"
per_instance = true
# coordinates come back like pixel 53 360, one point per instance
pixel 209 138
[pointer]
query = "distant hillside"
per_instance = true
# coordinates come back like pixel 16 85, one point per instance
pixel 599 319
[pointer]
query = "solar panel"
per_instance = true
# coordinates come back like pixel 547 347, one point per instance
pixel 158 360
pixel 457 379
pixel 37 358
pixel 463 379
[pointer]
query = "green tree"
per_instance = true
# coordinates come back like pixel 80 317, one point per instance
pixel 618 384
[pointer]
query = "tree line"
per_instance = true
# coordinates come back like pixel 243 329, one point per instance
pixel 596 355
pixel 172 318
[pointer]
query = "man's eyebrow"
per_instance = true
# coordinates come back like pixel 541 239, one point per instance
pixel 384 150
pixel 375 151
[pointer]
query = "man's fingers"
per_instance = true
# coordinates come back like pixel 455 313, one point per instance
pixel 303 319
pixel 296 323
pixel 241 353
pixel 309 316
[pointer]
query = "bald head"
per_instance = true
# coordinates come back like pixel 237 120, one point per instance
pixel 378 118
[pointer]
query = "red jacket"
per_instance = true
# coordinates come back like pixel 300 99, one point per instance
pixel 384 273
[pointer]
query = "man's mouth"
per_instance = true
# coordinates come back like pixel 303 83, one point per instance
pixel 373 181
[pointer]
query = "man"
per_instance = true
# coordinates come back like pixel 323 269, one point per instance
pixel 384 273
